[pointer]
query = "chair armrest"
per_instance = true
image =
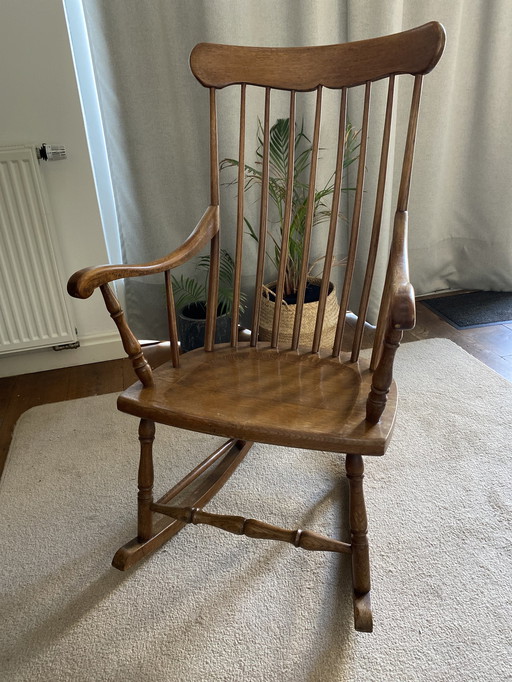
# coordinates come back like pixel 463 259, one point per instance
pixel 84 282
pixel 402 306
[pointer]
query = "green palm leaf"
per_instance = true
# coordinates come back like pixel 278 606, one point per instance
pixel 187 291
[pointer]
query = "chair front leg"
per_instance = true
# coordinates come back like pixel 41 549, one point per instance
pixel 358 524
pixel 359 542
pixel 145 480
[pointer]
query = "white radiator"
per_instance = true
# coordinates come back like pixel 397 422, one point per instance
pixel 33 311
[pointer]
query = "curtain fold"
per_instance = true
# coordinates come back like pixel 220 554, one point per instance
pixel 156 122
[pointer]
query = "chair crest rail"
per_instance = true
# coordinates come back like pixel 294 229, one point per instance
pixel 333 66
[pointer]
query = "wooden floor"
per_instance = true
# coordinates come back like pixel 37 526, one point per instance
pixel 492 345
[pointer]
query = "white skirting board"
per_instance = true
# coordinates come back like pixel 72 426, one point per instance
pixel 97 348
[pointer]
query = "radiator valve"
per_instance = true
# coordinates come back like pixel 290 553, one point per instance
pixel 52 152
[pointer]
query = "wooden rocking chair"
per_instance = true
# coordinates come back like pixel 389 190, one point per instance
pixel 247 391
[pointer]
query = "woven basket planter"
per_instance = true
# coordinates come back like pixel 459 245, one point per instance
pixel 309 312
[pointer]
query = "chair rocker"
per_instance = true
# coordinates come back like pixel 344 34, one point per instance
pixel 296 395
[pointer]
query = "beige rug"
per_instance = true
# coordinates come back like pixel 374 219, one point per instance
pixel 211 606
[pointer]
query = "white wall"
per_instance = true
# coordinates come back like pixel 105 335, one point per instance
pixel 40 103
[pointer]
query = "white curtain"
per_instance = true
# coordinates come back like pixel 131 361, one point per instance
pixel 156 122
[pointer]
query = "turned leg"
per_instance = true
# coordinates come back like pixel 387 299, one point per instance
pixel 359 541
pixel 145 481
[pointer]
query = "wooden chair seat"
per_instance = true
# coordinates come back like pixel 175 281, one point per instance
pixel 291 398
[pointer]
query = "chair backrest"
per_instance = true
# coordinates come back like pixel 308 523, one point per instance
pixel 296 70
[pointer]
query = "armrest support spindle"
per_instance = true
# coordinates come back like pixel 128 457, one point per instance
pixel 130 344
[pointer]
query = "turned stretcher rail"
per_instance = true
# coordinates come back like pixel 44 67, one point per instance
pixel 252 528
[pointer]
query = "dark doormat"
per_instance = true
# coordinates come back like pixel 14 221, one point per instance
pixel 476 309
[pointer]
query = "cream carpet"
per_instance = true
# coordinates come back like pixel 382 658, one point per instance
pixel 211 606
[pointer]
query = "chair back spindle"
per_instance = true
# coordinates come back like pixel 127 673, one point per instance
pixel 213 276
pixel 286 224
pixel 237 275
pixel 377 221
pixel 301 290
pixel 405 180
pixel 262 236
pixel 333 223
pixel 171 319
pixel 356 222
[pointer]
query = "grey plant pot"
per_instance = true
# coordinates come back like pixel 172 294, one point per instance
pixel 192 324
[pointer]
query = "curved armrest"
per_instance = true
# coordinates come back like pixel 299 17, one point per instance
pixel 83 282
pixel 402 307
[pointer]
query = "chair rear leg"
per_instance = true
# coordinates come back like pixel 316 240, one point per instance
pixel 145 480
pixel 359 541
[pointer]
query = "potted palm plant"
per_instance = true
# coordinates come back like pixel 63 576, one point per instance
pixel 190 295
pixel 278 165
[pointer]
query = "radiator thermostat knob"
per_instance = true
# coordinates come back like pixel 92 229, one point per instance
pixel 52 152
